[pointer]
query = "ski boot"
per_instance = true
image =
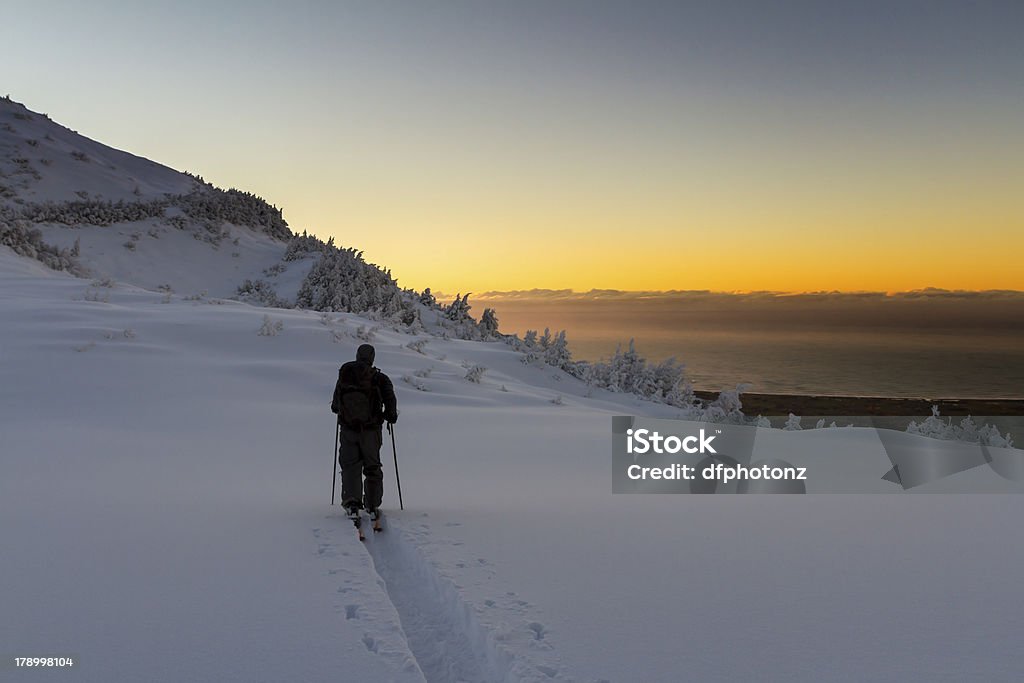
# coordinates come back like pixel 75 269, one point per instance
pixel 352 512
pixel 376 518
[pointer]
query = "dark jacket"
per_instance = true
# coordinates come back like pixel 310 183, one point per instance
pixel 387 409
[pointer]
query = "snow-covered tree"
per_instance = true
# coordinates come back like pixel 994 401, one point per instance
pixel 489 324
pixel 458 310
pixel 427 298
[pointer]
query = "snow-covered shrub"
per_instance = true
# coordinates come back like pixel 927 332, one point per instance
pixel 207 206
pixel 365 333
pixel 424 372
pixel 557 400
pixel 628 372
pixel 212 206
pixel 726 408
pixel 27 241
pixel 552 350
pixel 415 383
pixel 342 281
pixel 417 344
pixel 97 295
pixel 301 246
pixel 475 373
pixel 792 423
pixel 260 293
pixel 935 427
pixel 270 328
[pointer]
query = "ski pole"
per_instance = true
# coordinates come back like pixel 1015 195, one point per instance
pixel 334 462
pixel 391 430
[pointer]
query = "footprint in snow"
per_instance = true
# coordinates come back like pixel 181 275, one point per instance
pixel 370 643
pixel 351 611
pixel 539 631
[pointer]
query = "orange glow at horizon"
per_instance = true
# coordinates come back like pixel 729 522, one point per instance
pixel 970 247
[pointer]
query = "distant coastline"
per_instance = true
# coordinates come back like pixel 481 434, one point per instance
pixel 931 343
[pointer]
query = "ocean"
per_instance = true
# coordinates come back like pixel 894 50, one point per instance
pixel 934 345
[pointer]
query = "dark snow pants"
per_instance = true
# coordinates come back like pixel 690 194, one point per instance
pixel 359 456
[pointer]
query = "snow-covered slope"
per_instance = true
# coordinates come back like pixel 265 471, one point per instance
pixel 164 507
pixel 134 220
pixel 42 161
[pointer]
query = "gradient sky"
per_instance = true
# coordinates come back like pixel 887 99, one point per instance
pixel 662 145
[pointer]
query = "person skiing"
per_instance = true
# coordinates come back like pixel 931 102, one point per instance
pixel 364 399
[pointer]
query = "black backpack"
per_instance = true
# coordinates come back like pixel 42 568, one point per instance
pixel 359 399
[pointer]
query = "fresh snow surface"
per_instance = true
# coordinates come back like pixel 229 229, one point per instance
pixel 165 256
pixel 164 505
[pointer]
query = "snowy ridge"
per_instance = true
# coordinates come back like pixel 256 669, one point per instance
pixel 42 161
pixel 129 219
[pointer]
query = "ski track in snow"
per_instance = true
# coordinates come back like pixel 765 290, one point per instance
pixel 442 635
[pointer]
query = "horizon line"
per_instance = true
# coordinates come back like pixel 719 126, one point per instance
pixel 598 293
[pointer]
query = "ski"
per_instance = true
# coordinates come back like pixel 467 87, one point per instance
pixel 357 521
